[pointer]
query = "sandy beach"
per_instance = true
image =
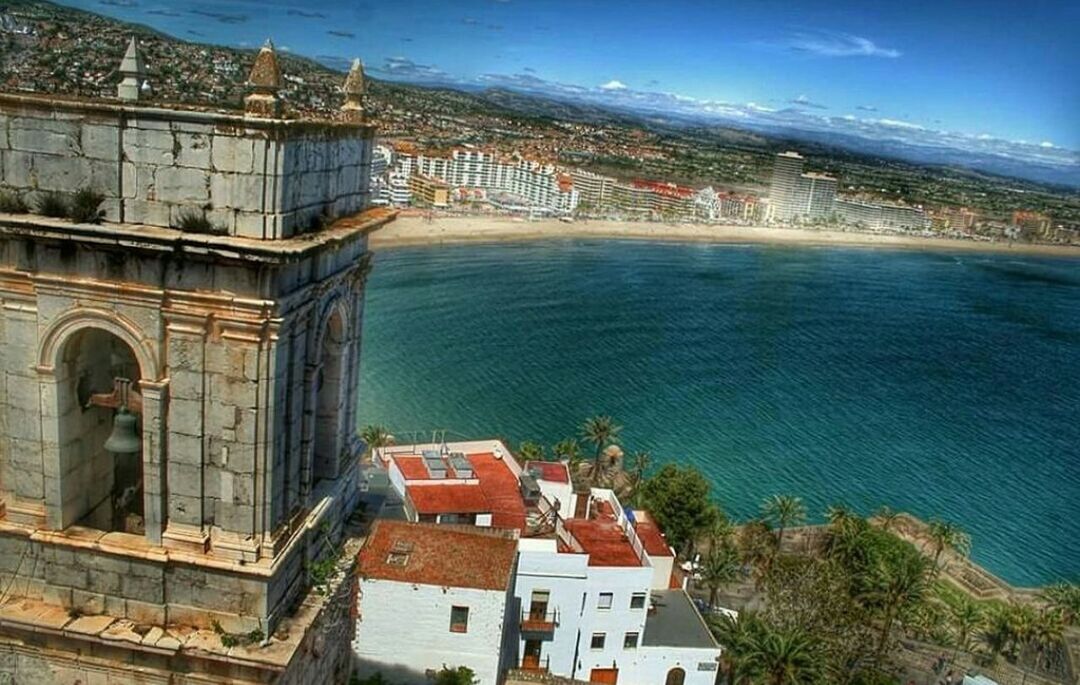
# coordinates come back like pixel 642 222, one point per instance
pixel 417 230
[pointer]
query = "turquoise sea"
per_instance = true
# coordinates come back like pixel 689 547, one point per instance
pixel 942 384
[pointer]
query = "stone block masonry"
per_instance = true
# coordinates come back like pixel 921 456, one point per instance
pixel 250 177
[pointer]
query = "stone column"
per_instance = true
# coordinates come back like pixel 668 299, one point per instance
pixel 186 441
pixel 155 444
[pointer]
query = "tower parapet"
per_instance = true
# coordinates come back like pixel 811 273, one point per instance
pixel 132 73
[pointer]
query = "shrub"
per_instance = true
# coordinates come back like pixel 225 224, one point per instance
pixel 195 221
pixel 12 203
pixel 52 204
pixel 86 207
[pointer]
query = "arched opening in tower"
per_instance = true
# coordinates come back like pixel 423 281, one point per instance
pixel 329 400
pixel 97 382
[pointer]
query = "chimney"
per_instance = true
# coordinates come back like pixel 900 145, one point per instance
pixel 133 73
pixel 264 82
pixel 353 108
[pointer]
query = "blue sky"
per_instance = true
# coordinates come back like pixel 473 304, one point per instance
pixel 996 69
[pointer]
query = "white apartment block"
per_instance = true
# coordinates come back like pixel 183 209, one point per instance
pixel 592 588
pixel 539 186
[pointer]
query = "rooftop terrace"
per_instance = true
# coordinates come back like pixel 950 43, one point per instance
pixel 673 621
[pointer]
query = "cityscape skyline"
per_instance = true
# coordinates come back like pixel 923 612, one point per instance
pixel 811 68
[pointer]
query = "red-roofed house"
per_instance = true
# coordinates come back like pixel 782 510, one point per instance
pixel 431 595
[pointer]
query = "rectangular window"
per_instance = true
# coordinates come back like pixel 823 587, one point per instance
pixel 605 600
pixel 637 600
pixel 630 641
pixel 459 619
pixel 598 640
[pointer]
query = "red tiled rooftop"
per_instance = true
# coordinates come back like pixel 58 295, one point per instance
pixel 501 488
pixel 448 498
pixel 436 555
pixel 604 542
pixel 549 470
pixel 411 467
pixel 652 539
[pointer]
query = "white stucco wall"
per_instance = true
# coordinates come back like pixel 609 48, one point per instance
pixel 622 583
pixel 650 665
pixel 565 577
pixel 403 629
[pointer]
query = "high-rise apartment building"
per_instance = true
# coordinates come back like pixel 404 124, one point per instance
pixel 787 170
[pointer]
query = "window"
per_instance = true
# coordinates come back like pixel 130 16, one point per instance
pixel 630 641
pixel 598 640
pixel 605 600
pixel 637 600
pixel 459 619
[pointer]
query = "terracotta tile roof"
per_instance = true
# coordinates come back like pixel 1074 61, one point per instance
pixel 549 470
pixel 448 498
pixel 501 489
pixel 411 467
pixel 443 556
pixel 604 542
pixel 652 539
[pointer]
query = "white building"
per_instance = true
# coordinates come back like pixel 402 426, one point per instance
pixel 593 582
pixel 430 597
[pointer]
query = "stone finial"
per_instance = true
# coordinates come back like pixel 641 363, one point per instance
pixel 132 72
pixel 354 92
pixel 264 83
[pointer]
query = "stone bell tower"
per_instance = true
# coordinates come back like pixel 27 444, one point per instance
pixel 178 385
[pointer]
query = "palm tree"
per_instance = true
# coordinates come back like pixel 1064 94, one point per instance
pixel 886 517
pixel 720 567
pixel 639 465
pixel 739 636
pixel 967 618
pixel 1064 597
pixel 784 511
pixel 1021 620
pixel 788 658
pixel 901 582
pixel 569 450
pixel 375 437
pixel 530 451
pixel 1048 632
pixel 945 535
pixel 600 431
pixel 837 514
pixel 995 634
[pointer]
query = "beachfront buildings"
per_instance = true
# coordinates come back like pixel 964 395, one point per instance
pixel 594 593
pixel 795 196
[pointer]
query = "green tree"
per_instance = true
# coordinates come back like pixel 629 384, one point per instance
pixel 945 535
pixel 784 511
pixel 739 637
pixel 967 619
pixel 757 545
pixel 720 567
pixel 788 658
pixel 568 450
pixel 1066 598
pixel 530 451
pixel 462 675
pixel 639 465
pixel 375 437
pixel 678 498
pixel 601 431
pixel 901 582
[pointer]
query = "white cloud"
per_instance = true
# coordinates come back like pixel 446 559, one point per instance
pixel 1046 144
pixel 613 84
pixel 896 123
pixel 832 44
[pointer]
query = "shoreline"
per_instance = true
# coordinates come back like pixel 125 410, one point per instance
pixel 419 231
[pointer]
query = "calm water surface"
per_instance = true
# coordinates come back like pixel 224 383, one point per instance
pixel 942 384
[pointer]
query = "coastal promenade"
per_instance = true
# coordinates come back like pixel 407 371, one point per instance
pixel 423 230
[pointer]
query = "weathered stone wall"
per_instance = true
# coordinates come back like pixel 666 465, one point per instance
pixel 253 178
pixel 229 349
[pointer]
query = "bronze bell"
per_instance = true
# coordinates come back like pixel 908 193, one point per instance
pixel 124 438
